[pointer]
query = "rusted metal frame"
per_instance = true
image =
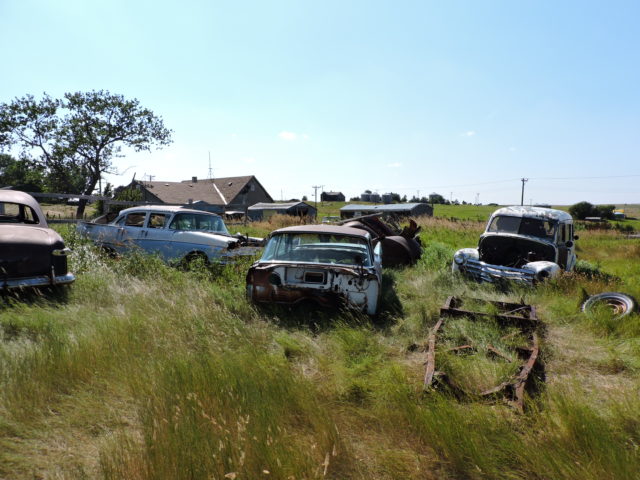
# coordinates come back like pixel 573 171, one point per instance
pixel 514 387
pixel 431 355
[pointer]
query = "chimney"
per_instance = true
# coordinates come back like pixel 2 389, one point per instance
pixel 194 179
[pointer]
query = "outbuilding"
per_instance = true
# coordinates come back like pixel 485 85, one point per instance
pixel 262 211
pixel 397 209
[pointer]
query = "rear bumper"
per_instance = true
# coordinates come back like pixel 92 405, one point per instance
pixel 39 281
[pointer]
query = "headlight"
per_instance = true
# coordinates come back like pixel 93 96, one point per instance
pixel 459 258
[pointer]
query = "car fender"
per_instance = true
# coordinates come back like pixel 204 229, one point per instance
pixel 543 269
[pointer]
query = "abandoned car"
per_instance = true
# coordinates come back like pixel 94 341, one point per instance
pixel 31 254
pixel 401 246
pixel 327 264
pixel 524 244
pixel 176 234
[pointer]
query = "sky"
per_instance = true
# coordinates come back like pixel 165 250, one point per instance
pixel 462 98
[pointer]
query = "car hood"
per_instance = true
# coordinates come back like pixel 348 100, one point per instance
pixel 27 235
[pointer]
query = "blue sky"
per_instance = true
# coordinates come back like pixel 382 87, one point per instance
pixel 459 98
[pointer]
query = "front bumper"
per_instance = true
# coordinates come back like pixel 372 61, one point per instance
pixel 39 281
pixel 485 272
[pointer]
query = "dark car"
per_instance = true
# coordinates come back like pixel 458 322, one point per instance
pixel 31 254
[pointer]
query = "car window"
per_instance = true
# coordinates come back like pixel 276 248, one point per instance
pixel 17 213
pixel 535 227
pixel 318 248
pixel 157 220
pixel 135 219
pixel 198 222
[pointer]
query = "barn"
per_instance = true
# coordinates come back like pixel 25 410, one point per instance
pixel 397 209
pixel 262 211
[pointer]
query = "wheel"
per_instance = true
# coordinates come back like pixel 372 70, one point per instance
pixel 194 260
pixel 620 303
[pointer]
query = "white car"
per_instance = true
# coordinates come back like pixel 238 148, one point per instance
pixel 525 244
pixel 174 233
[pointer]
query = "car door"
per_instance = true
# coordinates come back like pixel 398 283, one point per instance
pixel 566 248
pixel 131 230
pixel 154 236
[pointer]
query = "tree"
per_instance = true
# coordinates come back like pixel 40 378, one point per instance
pixel 436 198
pixel 304 198
pixel 20 174
pixel 77 137
pixel 581 210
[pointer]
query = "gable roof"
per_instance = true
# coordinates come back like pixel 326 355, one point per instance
pixel 278 206
pixel 219 191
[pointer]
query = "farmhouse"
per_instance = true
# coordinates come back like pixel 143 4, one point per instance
pixel 332 197
pixel 398 209
pixel 213 195
pixel 262 211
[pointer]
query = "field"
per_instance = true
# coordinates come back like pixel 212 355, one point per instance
pixel 141 371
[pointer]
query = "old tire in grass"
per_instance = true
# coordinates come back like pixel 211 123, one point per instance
pixel 620 304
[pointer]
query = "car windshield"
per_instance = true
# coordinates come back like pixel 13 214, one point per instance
pixel 317 248
pixel 17 213
pixel 198 222
pixel 535 227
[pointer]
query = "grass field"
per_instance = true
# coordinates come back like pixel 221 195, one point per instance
pixel 141 371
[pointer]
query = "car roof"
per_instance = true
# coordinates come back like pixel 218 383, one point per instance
pixel 16 196
pixel 166 209
pixel 533 212
pixel 330 229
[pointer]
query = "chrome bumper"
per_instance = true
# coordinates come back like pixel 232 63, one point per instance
pixel 40 281
pixel 484 272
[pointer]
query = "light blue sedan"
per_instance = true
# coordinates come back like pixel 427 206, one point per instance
pixel 175 234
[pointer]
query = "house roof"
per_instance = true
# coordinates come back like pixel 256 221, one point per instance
pixel 219 191
pixel 277 206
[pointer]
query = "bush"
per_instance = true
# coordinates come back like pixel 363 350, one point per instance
pixel 581 210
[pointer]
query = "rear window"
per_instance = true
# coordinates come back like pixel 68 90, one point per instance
pixel 318 248
pixel 17 213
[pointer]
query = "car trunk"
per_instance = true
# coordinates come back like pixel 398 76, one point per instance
pixel 24 252
pixel 511 251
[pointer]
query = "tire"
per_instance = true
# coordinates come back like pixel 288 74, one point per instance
pixel 621 304
pixel 193 259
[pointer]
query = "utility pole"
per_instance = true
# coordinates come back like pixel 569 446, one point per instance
pixel 210 169
pixel 523 180
pixel 315 193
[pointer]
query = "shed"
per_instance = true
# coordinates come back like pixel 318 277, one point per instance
pixel 398 209
pixel 332 197
pixel 262 211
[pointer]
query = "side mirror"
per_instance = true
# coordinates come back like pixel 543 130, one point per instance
pixel 576 237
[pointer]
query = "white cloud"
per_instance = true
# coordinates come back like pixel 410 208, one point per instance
pixel 394 165
pixel 512 149
pixel 288 136
pixel 469 133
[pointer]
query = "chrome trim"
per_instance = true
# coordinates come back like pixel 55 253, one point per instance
pixel 484 272
pixel 61 252
pixel 40 281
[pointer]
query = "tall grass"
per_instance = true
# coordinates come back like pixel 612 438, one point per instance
pixel 143 371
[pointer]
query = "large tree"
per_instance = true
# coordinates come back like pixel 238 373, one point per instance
pixel 21 174
pixel 77 137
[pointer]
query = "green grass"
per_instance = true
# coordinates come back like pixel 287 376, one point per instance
pixel 141 371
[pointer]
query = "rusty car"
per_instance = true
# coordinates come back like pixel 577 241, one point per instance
pixel 176 234
pixel 520 243
pixel 401 246
pixel 31 253
pixel 326 264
